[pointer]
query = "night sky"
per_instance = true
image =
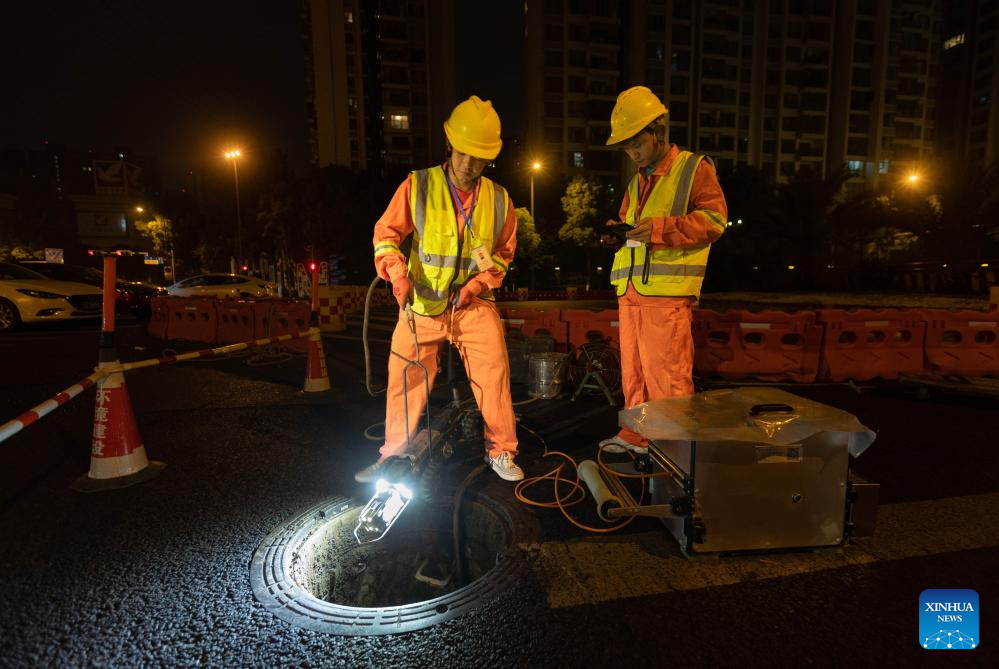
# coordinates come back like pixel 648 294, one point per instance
pixel 182 80
pixel 176 80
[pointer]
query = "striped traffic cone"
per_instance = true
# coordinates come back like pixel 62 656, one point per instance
pixel 316 379
pixel 117 456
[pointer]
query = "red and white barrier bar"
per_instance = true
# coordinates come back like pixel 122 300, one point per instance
pixel 203 353
pixel 12 427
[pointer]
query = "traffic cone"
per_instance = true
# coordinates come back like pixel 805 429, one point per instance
pixel 117 456
pixel 316 379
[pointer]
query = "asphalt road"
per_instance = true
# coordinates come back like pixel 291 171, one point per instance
pixel 157 574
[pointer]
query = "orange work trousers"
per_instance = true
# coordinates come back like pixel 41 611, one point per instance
pixel 657 351
pixel 477 333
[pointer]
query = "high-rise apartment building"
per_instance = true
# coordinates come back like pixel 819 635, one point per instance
pixel 969 129
pixel 382 80
pixel 574 72
pixel 782 85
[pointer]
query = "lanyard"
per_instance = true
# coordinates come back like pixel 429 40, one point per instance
pixel 457 201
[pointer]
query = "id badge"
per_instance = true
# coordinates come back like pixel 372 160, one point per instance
pixel 632 243
pixel 483 260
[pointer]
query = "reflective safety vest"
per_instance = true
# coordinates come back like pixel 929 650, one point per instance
pixel 668 272
pixel 439 261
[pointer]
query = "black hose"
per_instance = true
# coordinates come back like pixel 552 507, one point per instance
pixel 364 338
pixel 459 555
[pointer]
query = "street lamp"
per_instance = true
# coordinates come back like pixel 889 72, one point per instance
pixel 534 169
pixel 233 155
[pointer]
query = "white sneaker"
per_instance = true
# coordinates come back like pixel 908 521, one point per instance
pixel 617 445
pixel 371 473
pixel 505 467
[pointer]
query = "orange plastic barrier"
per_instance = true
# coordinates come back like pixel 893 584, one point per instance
pixel 159 317
pixel 272 318
pixel 768 345
pixel 586 325
pixel 192 319
pixel 864 344
pixel 531 322
pixel 236 323
pixel 963 342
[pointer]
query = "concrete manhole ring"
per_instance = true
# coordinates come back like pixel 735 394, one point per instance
pixel 310 571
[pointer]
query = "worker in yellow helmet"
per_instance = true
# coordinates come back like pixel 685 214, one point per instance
pixel 464 234
pixel 674 209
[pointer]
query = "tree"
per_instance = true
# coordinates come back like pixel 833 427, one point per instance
pixel 528 241
pixel 159 231
pixel 969 203
pixel 581 206
pixel 585 204
pixel 742 257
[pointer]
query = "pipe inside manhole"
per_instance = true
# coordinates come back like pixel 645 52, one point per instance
pixel 312 572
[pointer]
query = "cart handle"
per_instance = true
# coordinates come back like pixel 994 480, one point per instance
pixel 757 409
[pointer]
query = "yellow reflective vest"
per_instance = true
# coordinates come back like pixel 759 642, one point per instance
pixel 667 272
pixel 439 261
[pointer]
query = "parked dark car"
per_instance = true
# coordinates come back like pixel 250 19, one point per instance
pixel 131 297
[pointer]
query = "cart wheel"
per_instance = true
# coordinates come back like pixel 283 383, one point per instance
pixel 598 357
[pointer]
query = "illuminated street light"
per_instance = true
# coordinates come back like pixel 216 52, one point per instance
pixel 233 155
pixel 535 166
pixel 913 179
pixel 139 209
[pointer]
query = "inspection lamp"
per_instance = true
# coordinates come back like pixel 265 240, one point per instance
pixel 392 496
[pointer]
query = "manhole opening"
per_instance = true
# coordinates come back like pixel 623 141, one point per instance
pixel 311 572
pixel 414 562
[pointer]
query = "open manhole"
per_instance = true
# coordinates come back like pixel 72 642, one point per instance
pixel 312 572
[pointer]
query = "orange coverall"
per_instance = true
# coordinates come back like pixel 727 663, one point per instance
pixel 476 331
pixel 657 347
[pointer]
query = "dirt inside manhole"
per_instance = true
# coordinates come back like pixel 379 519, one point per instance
pixel 414 562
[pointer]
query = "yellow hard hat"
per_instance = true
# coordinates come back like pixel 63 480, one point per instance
pixel 474 128
pixel 635 108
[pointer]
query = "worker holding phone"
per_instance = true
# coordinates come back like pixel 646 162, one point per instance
pixel 672 211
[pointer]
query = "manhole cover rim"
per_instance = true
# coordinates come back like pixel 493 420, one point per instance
pixel 281 595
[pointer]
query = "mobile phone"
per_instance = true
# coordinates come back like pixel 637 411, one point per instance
pixel 618 230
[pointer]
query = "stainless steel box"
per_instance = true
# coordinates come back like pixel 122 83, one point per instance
pixel 765 469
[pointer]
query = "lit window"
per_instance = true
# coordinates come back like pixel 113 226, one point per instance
pixel 883 167
pixel 577 158
pixel 399 121
pixel 855 165
pixel 348 16
pixel 954 41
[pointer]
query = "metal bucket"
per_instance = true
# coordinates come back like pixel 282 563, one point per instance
pixel 520 349
pixel 546 374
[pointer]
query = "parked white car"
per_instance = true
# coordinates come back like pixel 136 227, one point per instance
pixel 222 285
pixel 29 297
